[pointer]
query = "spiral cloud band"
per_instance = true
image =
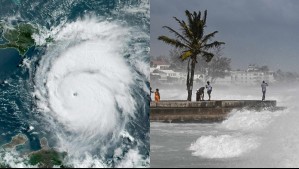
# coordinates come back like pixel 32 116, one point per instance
pixel 84 81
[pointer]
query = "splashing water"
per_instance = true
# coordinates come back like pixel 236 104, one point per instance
pixel 245 139
pixel 225 146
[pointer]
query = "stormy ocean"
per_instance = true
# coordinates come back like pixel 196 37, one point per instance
pixel 244 139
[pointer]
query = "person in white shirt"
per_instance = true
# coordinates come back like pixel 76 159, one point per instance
pixel 209 90
pixel 264 90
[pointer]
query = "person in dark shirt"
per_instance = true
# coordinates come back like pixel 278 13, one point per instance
pixel 264 90
pixel 200 94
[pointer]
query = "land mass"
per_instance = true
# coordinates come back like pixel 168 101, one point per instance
pixel 19 37
pixel 45 158
pixel 16 141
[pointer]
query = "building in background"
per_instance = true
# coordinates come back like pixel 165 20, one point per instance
pixel 161 72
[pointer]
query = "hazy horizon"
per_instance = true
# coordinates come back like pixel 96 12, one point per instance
pixel 261 32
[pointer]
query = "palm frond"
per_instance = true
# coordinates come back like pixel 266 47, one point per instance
pixel 173 42
pixel 214 44
pixel 178 35
pixel 186 30
pixel 186 55
pixel 205 17
pixel 209 36
pixel 190 18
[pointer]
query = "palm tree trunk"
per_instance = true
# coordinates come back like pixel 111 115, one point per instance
pixel 188 76
pixel 191 79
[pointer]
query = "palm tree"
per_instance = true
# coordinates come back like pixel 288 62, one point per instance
pixel 193 42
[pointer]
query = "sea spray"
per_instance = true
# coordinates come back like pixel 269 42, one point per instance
pixel 224 146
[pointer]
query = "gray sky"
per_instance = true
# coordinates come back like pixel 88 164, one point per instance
pixel 263 32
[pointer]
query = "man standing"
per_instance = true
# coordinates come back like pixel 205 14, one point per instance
pixel 209 89
pixel 264 89
pixel 151 93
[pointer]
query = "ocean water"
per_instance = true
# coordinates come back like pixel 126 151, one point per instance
pixel 245 139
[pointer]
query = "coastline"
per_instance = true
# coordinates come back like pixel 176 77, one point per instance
pixel 16 141
pixel 205 111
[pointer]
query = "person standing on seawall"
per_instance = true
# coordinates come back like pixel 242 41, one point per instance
pixel 151 93
pixel 209 90
pixel 157 96
pixel 264 89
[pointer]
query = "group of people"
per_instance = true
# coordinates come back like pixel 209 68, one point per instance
pixel 200 92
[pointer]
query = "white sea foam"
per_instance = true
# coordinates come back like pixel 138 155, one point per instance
pixel 224 146
pixel 245 129
pixel 250 120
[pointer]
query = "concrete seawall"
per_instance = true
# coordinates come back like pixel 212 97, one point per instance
pixel 204 111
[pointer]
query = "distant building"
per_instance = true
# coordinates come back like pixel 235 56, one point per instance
pixel 160 70
pixel 162 73
pixel 160 65
pixel 251 76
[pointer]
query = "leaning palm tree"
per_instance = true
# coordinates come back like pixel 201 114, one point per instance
pixel 193 42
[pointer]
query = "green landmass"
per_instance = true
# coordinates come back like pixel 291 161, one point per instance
pixel 4 166
pixel 47 157
pixel 19 38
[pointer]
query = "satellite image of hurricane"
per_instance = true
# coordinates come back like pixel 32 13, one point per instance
pixel 74 83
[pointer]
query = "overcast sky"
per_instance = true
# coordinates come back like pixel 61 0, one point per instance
pixel 263 32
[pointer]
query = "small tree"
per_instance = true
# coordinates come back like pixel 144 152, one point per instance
pixel 218 68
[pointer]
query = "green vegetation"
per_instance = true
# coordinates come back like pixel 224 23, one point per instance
pixel 19 38
pixel 193 42
pixel 47 158
pixel 4 166
pixel 49 39
pixel 44 158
